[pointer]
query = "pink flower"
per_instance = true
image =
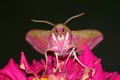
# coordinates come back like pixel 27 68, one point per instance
pixel 23 71
pixel 12 72
pixel 72 71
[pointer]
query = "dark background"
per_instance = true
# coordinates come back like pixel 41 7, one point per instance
pixel 15 22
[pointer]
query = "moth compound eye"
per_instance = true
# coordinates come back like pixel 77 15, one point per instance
pixel 63 30
pixel 56 31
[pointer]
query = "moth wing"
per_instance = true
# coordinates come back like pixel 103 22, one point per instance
pixel 86 37
pixel 38 39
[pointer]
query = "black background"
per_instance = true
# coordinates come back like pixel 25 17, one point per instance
pixel 15 22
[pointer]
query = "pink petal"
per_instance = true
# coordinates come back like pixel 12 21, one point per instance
pixel 112 75
pixel 87 58
pixel 12 70
pixel 37 66
pixel 99 73
pixel 24 63
pixel 4 77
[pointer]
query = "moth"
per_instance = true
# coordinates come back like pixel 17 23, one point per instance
pixel 63 42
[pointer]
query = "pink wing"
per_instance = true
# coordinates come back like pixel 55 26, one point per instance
pixel 38 39
pixel 88 37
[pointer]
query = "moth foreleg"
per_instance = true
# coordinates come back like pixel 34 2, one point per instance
pixel 76 58
pixel 56 56
pixel 70 54
pixel 46 58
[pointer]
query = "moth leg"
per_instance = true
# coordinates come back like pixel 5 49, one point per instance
pixel 46 58
pixel 70 54
pixel 76 58
pixel 56 56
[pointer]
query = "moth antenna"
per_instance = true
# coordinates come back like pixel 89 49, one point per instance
pixel 73 17
pixel 43 21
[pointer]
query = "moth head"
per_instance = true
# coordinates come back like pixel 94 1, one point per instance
pixel 60 29
pixel 61 32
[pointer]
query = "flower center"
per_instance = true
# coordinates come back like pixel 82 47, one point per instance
pixel 40 79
